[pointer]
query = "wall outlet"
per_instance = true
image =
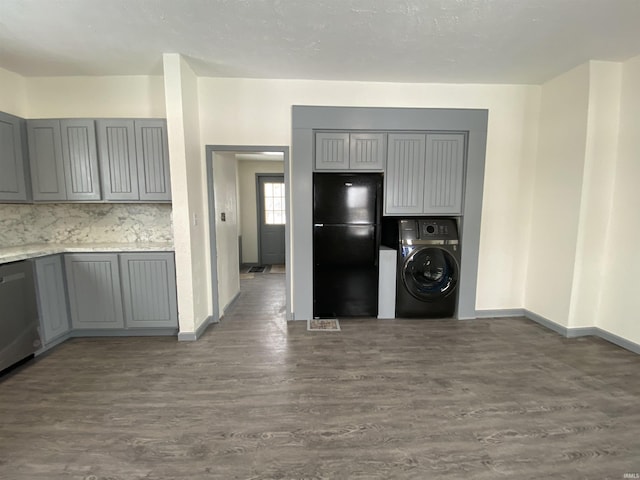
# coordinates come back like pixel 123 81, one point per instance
pixel 195 219
pixel 223 217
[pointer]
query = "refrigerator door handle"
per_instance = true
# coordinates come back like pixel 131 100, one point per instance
pixel 318 224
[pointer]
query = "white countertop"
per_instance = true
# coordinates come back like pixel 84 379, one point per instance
pixel 22 252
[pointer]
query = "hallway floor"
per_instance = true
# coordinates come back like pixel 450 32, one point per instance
pixel 257 398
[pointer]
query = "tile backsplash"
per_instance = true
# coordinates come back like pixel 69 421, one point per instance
pixel 84 223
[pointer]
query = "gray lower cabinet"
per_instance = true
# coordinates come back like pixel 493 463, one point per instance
pixel 118 291
pixel 15 184
pixel 52 298
pixel 149 289
pixel 95 299
pixel 134 160
pixel 64 160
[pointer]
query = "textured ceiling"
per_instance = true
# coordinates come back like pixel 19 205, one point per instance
pixel 462 41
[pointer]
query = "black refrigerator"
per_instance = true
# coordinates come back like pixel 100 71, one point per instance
pixel 346 240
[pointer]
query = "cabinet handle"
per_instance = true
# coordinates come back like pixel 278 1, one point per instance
pixel 12 278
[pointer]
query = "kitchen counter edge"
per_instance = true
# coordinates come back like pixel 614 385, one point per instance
pixel 24 252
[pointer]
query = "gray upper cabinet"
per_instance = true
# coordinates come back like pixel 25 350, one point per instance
pixel 118 162
pixel 154 181
pixel 134 159
pixel 425 174
pixel 350 151
pixel 80 159
pixel 149 289
pixel 444 178
pixel 52 298
pixel 332 151
pixel 45 158
pixel 132 165
pixel 95 299
pixel 64 160
pixel 367 151
pixel 404 178
pixel 14 169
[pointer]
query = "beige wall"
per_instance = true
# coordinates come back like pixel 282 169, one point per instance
pixel 188 185
pixel 620 302
pixel 65 97
pixel 583 264
pixel 13 93
pixel 226 197
pixel 557 194
pixel 247 170
pixel 115 96
pixel 258 112
pixel 597 191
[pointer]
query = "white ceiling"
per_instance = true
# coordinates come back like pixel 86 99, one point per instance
pixel 461 41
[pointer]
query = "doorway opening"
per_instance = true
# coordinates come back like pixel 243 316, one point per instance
pixel 248 192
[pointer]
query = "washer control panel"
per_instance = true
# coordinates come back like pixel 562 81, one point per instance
pixel 427 229
pixel 433 228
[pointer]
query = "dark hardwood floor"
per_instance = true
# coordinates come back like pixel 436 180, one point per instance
pixel 257 398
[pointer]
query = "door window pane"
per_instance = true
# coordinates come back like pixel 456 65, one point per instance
pixel 274 213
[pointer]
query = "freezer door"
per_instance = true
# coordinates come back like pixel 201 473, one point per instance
pixel 344 245
pixel 345 292
pixel 346 198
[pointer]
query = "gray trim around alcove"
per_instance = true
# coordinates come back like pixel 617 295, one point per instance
pixel 306 119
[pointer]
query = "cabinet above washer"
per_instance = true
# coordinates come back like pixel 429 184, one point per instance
pixel 425 174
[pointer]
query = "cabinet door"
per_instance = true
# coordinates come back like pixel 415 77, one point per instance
pixel 93 281
pixel 14 173
pixel 444 176
pixel 52 298
pixel 154 182
pixel 149 289
pixel 80 159
pixel 117 145
pixel 404 178
pixel 45 158
pixel 332 151
pixel 367 151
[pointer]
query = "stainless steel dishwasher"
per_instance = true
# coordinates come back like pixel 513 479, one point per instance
pixel 19 337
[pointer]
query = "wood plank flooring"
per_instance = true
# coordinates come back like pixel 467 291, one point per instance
pixel 257 398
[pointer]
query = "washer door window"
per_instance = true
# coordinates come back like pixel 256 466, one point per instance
pixel 430 274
